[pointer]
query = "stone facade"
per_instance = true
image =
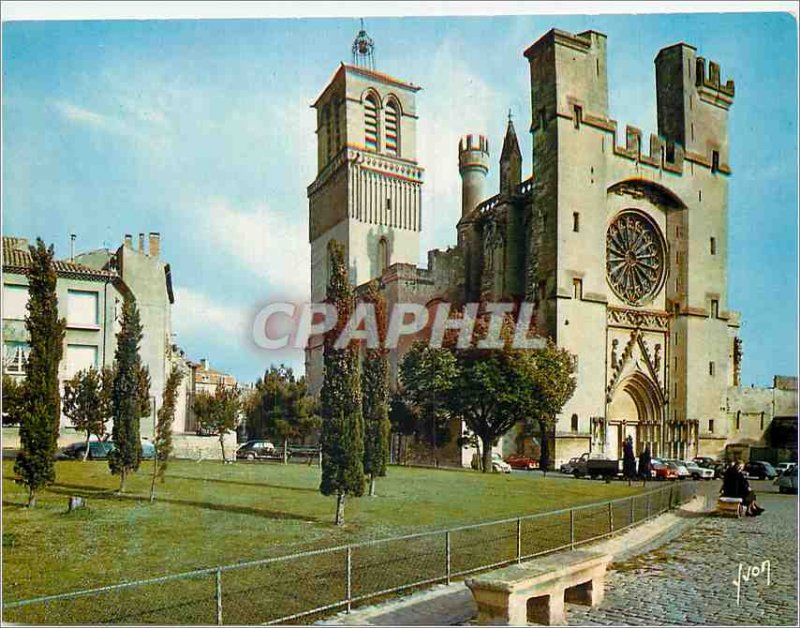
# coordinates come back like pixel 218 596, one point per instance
pixel 620 244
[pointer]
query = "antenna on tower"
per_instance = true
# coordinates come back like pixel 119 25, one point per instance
pixel 364 49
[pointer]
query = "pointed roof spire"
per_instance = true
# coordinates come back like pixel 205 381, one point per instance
pixel 510 143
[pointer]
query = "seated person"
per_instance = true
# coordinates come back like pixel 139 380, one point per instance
pixel 735 484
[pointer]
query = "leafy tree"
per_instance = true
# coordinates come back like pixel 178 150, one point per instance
pixel 375 401
pixel 491 392
pixel 342 438
pixel 164 420
pixel 553 384
pixel 426 376
pixel 12 400
pixel 86 405
pixel 628 460
pixel 127 395
pixel 41 399
pixel 219 413
pixel 282 407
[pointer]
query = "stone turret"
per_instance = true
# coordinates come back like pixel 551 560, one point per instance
pixel 473 165
pixel 510 161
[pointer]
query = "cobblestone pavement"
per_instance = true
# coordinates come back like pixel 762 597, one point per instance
pixel 689 580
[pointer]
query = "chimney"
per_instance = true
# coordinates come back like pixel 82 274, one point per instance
pixel 204 363
pixel 129 240
pixel 155 244
pixel 141 243
pixel 72 238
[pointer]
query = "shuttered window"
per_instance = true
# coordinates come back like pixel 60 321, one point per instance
pixel 81 307
pixel 15 298
pixel 392 129
pixel 80 358
pixel 371 123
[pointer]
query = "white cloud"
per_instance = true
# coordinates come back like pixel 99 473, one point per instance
pixel 195 314
pixel 265 242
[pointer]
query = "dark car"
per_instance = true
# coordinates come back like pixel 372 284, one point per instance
pixel 760 469
pixel 99 450
pixel 256 450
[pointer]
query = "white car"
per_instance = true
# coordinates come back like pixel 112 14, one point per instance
pixel 697 472
pixel 499 465
pixel 783 467
pixel 787 482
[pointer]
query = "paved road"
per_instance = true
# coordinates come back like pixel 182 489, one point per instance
pixel 689 581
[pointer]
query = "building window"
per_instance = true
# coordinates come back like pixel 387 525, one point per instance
pixel 576 222
pixel 762 420
pixel 711 425
pixel 383 256
pixel 738 419
pixel 80 358
pixel 715 308
pixel 578 116
pixel 577 288
pixel 15 300
pixel 82 308
pixel 392 129
pixel 542 118
pixel 371 123
pixel 711 368
pixel 713 246
pixel 574 423
pixel 714 161
pixel 675 389
pixel 15 355
pixel 389 204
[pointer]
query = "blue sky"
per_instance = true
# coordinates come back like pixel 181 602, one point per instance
pixel 202 130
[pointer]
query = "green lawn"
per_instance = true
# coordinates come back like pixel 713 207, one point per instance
pixel 208 514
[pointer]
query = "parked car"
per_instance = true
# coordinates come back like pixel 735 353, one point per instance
pixel 787 482
pixel 760 469
pixel 697 472
pixel 521 461
pixel 99 450
pixel 705 461
pixel 679 467
pixel 783 467
pixel 256 450
pixel 499 465
pixel 596 467
pixel 569 467
pixel 660 470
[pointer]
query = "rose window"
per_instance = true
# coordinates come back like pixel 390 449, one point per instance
pixel 634 258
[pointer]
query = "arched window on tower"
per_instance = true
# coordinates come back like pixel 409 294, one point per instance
pixel 392 128
pixel 371 123
pixel 383 255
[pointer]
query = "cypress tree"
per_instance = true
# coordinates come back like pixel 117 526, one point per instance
pixel 163 436
pixel 126 395
pixel 375 404
pixel 41 399
pixel 342 438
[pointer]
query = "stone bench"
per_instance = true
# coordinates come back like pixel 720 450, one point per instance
pixel 730 505
pixel 536 591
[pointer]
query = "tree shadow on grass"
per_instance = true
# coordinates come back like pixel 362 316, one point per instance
pixel 90 492
pixel 282 487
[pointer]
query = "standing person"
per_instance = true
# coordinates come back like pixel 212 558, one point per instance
pixel 746 493
pixel 644 464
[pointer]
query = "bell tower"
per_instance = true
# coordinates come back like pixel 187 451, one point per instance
pixel 367 193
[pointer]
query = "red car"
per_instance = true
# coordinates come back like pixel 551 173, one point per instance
pixel 521 461
pixel 662 471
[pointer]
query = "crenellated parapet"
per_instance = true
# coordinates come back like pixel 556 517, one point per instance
pixel 710 87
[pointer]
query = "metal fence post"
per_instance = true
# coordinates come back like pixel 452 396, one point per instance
pixel 218 596
pixel 349 576
pixel 572 528
pixel 447 554
pixel 519 539
pixel 610 518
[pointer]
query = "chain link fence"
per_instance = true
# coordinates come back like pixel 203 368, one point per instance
pixel 296 587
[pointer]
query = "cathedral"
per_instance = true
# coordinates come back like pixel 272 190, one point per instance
pixel 619 241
